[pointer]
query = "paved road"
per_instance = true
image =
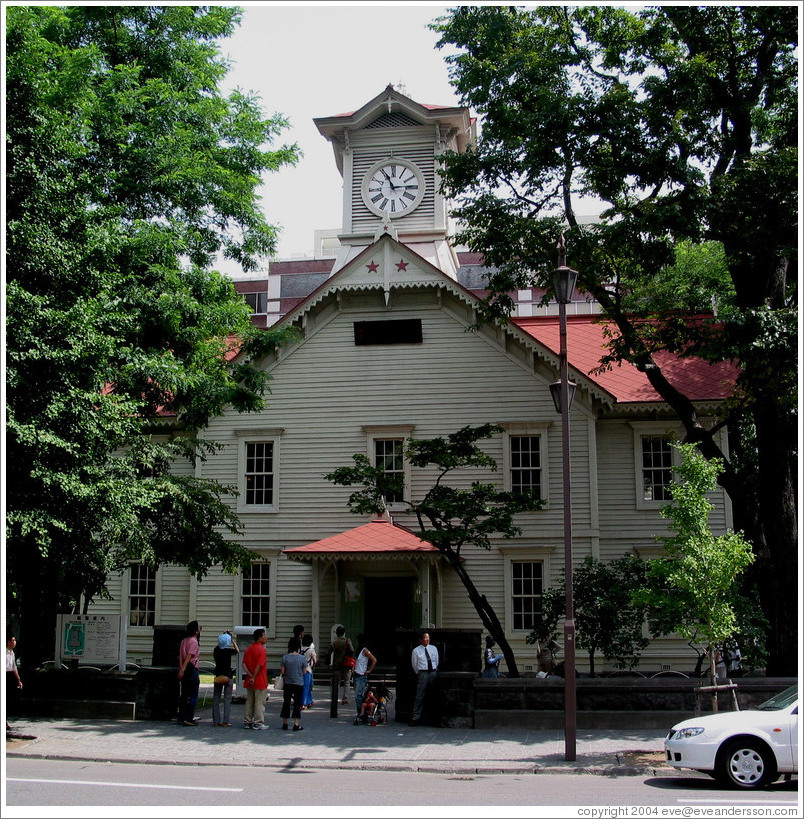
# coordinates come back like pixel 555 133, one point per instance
pixel 332 762
pixel 43 783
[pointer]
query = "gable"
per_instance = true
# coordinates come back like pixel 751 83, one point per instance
pixel 391 278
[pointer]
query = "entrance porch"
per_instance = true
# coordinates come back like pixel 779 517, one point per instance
pixel 381 579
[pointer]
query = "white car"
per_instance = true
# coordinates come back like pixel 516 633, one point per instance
pixel 741 749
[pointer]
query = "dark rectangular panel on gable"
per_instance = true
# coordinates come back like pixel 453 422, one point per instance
pixel 397 331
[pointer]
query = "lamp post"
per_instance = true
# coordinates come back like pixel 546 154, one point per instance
pixel 563 391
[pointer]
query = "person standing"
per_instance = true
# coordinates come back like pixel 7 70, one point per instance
pixel 491 661
pixel 424 660
pixel 13 681
pixel 256 683
pixel 339 648
pixel 364 665
pixel 294 667
pixel 308 652
pixel 298 634
pixel 189 652
pixel 223 654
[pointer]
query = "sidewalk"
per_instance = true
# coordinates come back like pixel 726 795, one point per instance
pixel 328 742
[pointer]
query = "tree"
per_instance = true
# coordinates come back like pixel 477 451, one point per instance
pixel 128 172
pixel 679 123
pixel 545 635
pixel 696 575
pixel 449 517
pixel 609 615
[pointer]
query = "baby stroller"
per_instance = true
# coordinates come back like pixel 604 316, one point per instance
pixel 373 710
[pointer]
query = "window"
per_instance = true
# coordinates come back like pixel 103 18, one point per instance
pixel 257 301
pixel 142 595
pixel 385 450
pixel 526 593
pixel 257 595
pixel 525 458
pixel 654 460
pixel 389 458
pixel 259 473
pixel 526 471
pixel 398 331
pixel 657 467
pixel 258 468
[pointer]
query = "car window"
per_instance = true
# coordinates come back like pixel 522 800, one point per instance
pixel 783 700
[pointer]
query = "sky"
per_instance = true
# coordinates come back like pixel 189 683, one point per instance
pixel 309 60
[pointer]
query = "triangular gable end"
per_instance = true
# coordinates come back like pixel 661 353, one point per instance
pixel 453 119
pixel 390 266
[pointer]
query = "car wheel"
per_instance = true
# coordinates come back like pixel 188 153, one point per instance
pixel 746 763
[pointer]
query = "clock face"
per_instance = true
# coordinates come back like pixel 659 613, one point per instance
pixel 393 187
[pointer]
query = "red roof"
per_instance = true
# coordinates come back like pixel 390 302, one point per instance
pixel 586 345
pixel 380 536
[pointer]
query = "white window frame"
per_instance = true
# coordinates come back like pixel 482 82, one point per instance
pixel 651 429
pixel 270 627
pixel 257 436
pixel 125 599
pixel 382 433
pixel 533 430
pixel 529 556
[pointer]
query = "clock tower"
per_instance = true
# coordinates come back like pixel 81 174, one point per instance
pixel 388 152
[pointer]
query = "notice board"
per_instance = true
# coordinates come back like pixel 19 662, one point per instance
pixel 92 639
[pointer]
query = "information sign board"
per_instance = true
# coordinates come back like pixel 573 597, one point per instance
pixel 92 639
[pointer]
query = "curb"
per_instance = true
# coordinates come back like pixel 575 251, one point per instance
pixel 459 768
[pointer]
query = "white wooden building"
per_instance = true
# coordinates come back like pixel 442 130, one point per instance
pixel 384 354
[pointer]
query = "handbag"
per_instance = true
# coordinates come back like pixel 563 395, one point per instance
pixel 279 683
pixel 349 662
pixel 222 679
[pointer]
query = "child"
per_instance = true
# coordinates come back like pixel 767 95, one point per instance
pixel 369 702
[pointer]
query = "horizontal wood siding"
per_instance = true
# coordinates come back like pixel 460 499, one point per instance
pixel 214 596
pixel 174 605
pixel 624 527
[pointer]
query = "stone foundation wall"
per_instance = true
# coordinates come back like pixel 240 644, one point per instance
pixel 607 703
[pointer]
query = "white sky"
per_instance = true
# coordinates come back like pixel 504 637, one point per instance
pixel 315 60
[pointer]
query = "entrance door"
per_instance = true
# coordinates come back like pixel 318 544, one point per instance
pixel 389 606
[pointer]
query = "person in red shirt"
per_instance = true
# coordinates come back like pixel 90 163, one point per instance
pixel 256 682
pixel 189 652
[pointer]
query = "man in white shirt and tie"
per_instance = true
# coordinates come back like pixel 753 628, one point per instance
pixel 424 659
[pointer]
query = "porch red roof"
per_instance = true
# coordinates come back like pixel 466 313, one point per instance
pixel 587 344
pixel 380 536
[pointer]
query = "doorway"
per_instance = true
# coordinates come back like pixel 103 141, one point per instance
pixel 389 606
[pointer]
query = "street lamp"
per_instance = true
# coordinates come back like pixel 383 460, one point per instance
pixel 563 391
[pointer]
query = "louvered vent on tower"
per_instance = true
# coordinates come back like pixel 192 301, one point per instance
pixel 393 120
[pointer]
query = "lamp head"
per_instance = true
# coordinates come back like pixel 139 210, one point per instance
pixel 564 279
pixel 555 392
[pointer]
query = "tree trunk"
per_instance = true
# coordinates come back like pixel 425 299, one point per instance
pixel 484 609
pixel 37 596
pixel 776 540
pixel 712 675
